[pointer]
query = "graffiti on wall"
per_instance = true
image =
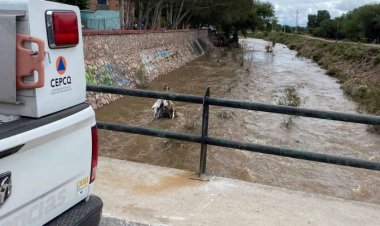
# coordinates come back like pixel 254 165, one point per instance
pixel 162 54
pixel 110 74
pixel 149 64
pixel 107 74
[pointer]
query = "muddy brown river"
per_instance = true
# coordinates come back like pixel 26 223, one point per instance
pixel 262 78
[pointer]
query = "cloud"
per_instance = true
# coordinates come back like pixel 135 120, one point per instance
pixel 286 10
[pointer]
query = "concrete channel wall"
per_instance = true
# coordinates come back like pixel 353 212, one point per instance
pixel 134 58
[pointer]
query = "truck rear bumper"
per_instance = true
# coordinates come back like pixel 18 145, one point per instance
pixel 83 214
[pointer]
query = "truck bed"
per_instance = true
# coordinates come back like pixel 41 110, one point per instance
pixel 25 124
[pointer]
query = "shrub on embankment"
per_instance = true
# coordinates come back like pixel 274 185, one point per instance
pixel 356 66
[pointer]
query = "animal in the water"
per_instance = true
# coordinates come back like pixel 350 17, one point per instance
pixel 164 108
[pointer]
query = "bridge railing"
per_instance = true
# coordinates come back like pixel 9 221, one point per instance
pixel 205 140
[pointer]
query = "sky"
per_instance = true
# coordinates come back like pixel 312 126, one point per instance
pixel 286 10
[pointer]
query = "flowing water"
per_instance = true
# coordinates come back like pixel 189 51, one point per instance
pixel 252 75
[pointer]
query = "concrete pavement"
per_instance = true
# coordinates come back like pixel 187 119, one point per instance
pixel 140 194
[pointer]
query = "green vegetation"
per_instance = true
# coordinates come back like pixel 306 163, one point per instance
pixel 377 60
pixel 229 17
pixel 141 78
pixel 361 24
pixel 235 16
pixel 291 99
pixel 102 76
pixel 91 75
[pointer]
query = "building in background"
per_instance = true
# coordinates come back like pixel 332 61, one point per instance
pixel 104 5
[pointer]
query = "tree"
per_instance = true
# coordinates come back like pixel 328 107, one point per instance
pixel 230 16
pixel 321 25
pixel 234 16
pixel 321 16
pixel 363 23
pixel 311 21
pixel 171 13
pixel 263 14
pixel 185 10
pixel 360 24
pixel 350 27
pixel 274 23
pixel 328 29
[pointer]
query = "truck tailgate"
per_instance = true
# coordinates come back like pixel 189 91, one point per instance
pixel 50 171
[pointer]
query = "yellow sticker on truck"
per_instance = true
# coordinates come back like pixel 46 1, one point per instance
pixel 82 186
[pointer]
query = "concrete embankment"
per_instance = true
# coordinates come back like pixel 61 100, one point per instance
pixel 140 194
pixel 122 58
pixel 355 65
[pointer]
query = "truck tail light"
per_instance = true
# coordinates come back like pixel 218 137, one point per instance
pixel 62 29
pixel 94 158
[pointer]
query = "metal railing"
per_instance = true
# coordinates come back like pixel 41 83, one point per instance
pixel 205 140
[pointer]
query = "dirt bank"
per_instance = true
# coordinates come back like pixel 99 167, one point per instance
pixel 355 65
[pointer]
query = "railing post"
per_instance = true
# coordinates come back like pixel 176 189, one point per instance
pixel 202 175
pixel 205 115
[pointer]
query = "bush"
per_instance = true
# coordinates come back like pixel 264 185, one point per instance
pixel 141 78
pixel 337 73
pixel 292 99
pixel 292 46
pixel 190 123
pixel 377 60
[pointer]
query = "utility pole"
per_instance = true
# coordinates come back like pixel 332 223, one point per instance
pixel 297 22
pixel 284 24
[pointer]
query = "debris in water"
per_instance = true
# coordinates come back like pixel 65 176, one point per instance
pixel 222 62
pixel 225 115
pixel 269 48
pixel 291 99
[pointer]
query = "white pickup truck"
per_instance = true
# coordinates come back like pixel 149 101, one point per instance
pixel 48 136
